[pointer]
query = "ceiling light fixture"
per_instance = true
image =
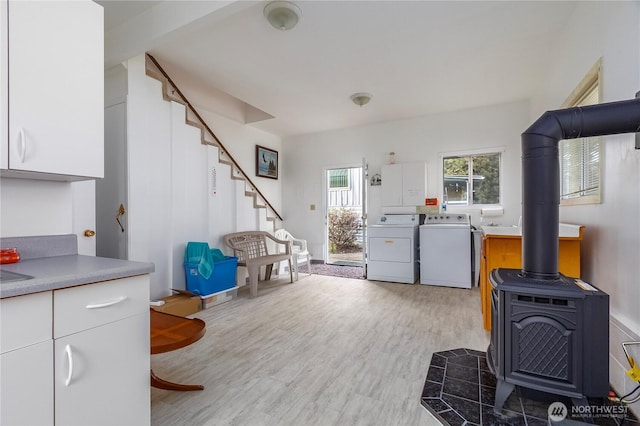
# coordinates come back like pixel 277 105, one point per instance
pixel 283 15
pixel 361 98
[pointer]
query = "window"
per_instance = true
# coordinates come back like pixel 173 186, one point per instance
pixel 471 179
pixel 580 158
pixel 339 179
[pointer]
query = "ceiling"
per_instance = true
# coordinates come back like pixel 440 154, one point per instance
pixel 414 57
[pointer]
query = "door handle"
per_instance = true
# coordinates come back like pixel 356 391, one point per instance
pixel 121 212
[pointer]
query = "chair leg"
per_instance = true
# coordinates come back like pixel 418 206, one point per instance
pixel 294 260
pixel 254 272
pixel 267 272
pixel 290 270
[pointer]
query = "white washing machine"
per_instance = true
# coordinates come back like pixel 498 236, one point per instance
pixel 393 249
pixel 445 250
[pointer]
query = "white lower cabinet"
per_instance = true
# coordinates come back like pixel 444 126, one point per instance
pixel 26 390
pixel 102 355
pixel 102 375
pixel 26 360
pixel 77 356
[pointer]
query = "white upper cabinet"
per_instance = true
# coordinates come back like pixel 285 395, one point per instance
pixel 404 184
pixel 52 89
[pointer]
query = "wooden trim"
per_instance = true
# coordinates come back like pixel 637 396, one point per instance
pixel 593 76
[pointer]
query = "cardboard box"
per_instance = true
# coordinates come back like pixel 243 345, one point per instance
pixel 181 304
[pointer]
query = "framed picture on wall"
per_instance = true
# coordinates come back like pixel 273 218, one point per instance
pixel 266 162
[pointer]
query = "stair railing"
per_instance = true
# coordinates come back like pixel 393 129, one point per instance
pixel 204 127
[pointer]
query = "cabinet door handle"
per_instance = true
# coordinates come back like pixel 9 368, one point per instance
pixel 22 145
pixel 107 304
pixel 67 350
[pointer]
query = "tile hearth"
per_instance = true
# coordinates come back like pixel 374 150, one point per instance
pixel 460 390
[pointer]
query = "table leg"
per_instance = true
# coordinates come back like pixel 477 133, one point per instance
pixel 159 383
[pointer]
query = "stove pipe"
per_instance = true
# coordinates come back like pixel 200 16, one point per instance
pixel 541 174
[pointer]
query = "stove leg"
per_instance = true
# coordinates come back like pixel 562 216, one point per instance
pixel 503 390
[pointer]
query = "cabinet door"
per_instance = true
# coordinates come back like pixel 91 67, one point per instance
pixel 391 185
pixel 102 375
pixel 26 363
pixel 26 389
pixel 56 87
pixel 4 82
pixel 414 184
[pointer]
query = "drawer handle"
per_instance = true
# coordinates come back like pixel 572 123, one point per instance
pixel 107 304
pixel 67 350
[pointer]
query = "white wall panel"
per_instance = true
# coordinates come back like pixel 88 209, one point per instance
pixel 188 192
pixel 150 174
pixel 221 221
pixel 611 31
pixel 170 200
pixel 612 236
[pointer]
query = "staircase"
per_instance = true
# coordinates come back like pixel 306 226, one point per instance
pixel 170 92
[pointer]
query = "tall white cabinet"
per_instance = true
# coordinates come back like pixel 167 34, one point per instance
pixel 51 89
pixel 404 184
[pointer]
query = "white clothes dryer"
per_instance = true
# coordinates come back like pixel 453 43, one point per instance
pixel 393 249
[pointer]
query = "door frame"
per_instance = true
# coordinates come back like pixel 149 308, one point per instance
pixel 325 205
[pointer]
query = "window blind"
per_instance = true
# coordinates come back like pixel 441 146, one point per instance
pixel 580 158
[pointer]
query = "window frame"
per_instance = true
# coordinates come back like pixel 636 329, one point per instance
pixel 593 77
pixel 346 176
pixel 470 153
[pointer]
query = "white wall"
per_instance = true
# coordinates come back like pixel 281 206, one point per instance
pixel 35 207
pixel 171 199
pixel 419 139
pixel 610 258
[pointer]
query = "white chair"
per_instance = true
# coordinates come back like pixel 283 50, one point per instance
pixel 299 256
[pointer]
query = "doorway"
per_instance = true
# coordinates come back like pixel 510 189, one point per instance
pixel 112 228
pixel 346 215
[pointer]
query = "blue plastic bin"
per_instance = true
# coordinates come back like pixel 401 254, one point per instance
pixel 222 278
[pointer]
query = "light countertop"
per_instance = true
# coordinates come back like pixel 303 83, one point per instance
pixel 53 273
pixel 566 230
pixel 53 263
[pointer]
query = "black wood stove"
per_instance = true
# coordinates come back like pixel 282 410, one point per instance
pixel 549 332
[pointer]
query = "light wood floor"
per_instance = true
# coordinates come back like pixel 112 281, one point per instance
pixel 321 351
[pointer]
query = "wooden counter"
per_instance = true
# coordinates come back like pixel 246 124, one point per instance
pixel 505 251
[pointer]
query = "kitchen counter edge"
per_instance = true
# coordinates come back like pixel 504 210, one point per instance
pixel 58 272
